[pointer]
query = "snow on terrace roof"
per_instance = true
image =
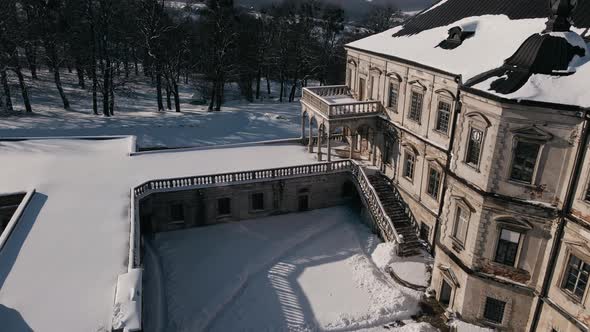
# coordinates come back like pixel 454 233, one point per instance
pixel 59 268
pixel 497 37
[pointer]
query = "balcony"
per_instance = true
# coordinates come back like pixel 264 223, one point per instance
pixel 336 102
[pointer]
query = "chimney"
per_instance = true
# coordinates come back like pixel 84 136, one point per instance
pixel 559 20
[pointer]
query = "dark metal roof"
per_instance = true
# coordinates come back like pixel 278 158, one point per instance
pixel 454 10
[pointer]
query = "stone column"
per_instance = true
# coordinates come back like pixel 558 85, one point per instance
pixel 329 148
pixel 310 143
pixel 320 134
pixel 303 129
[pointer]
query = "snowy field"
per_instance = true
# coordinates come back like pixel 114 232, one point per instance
pixel 298 272
pixel 136 114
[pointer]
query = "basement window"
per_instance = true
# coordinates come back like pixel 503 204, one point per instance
pixel 494 310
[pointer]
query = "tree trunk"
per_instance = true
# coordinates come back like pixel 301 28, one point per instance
pixel 219 97
pixel 105 88
pixel 293 90
pixel 282 88
pixel 23 89
pixel 267 84
pixel 135 62
pixel 213 93
pixel 60 89
pixel 94 90
pixel 176 97
pixel 7 99
pixel 126 63
pixel 159 88
pixel 168 100
pixel 31 60
pixel 80 73
pixel 258 79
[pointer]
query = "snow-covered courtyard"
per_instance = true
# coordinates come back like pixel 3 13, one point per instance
pixel 298 272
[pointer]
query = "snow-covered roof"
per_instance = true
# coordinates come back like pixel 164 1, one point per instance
pixel 59 267
pixel 500 28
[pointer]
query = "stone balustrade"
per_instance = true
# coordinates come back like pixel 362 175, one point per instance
pixel 314 97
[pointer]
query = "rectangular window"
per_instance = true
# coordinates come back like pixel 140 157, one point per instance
pixel 393 95
pixel 494 310
pixel 224 206
pixel 361 89
pixel 416 106
pixel 507 247
pixel 371 87
pixel 461 224
pixel 443 117
pixel 409 166
pixel 424 232
pixel 177 212
pixel 524 161
pixel 474 147
pixel 587 197
pixel 433 182
pixel 258 201
pixel 576 277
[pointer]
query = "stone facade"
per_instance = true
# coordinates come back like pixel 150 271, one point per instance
pixel 508 251
pixel 201 207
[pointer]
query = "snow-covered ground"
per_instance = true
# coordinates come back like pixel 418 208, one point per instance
pixel 136 114
pixel 299 272
pixel 59 268
pixel 413 269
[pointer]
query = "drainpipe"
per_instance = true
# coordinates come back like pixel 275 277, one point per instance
pixel 458 107
pixel 568 202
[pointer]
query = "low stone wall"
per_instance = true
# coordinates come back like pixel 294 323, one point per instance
pixel 173 210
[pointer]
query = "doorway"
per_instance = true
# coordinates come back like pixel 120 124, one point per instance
pixel 303 203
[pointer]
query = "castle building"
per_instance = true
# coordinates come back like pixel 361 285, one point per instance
pixel 478 113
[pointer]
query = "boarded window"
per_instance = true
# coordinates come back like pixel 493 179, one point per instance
pixel 393 95
pixel 444 116
pixel 474 147
pixel 575 280
pixel 461 224
pixel 224 206
pixel 524 161
pixel 410 160
pixel 433 182
pixel 258 201
pixel 507 247
pixel 494 310
pixel 416 106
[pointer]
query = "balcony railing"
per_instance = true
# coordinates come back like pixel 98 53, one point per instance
pixel 317 98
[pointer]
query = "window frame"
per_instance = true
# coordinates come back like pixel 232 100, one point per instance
pixel 219 213
pixel 515 143
pixel 253 200
pixel 456 220
pixel 396 83
pixel 521 236
pixel 405 168
pixel 420 111
pixel 485 309
pixel 438 115
pixel 435 195
pixel 564 279
pixel 586 192
pixel 468 147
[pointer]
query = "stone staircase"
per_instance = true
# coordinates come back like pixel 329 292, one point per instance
pixel 396 211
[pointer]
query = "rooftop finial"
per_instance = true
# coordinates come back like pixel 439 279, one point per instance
pixel 561 10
